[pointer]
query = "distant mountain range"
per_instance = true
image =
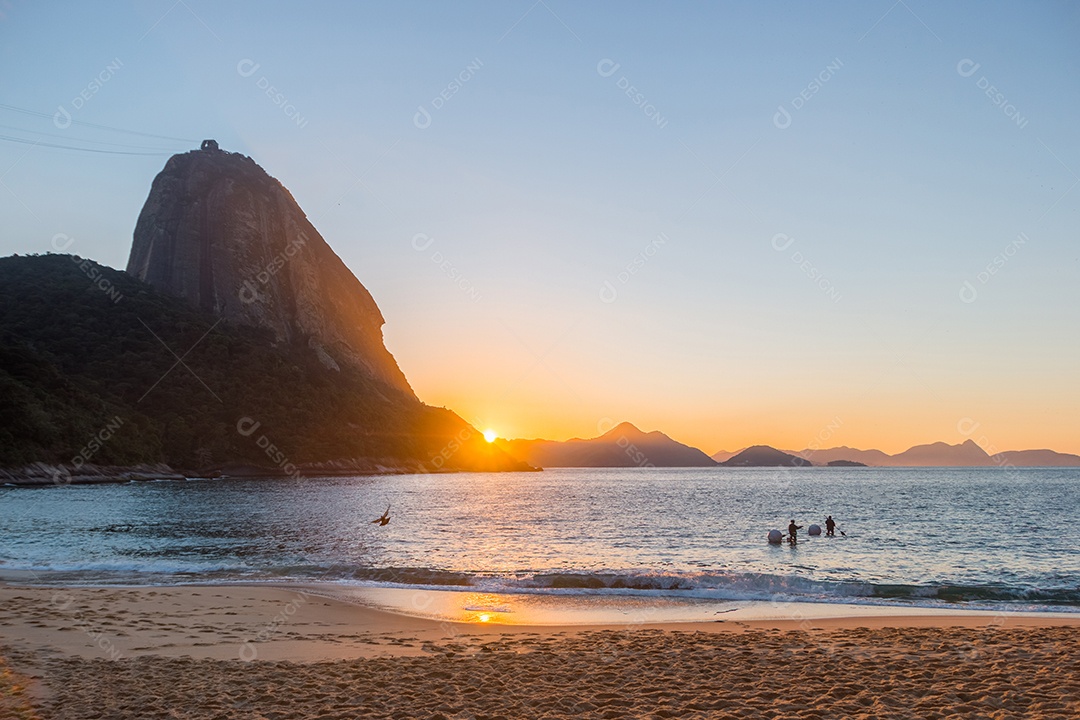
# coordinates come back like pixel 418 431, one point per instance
pixel 627 446
pixel 622 446
pixel 725 455
pixel 939 454
pixel 826 456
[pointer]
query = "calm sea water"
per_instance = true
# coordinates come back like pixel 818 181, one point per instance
pixel 982 537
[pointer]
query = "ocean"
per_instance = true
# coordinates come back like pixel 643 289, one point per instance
pixel 972 538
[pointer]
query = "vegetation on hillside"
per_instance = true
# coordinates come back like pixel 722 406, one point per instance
pixel 97 365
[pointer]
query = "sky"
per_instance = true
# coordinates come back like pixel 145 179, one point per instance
pixel 795 224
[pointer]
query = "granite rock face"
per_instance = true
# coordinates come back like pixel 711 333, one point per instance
pixel 218 231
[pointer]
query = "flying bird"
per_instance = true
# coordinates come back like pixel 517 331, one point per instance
pixel 384 519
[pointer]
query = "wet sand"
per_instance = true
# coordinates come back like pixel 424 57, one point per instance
pixel 269 652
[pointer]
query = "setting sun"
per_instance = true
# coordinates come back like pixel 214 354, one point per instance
pixel 490 435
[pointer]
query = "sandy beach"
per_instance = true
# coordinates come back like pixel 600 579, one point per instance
pixel 272 652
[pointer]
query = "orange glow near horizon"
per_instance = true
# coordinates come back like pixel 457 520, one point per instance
pixel 891 428
pixel 560 380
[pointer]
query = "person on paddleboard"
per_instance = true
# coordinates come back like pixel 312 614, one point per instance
pixel 830 527
pixel 793 532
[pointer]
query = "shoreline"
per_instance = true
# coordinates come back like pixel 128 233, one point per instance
pixel 584 610
pixel 359 612
pixel 548 606
pixel 240 651
pixel 43 475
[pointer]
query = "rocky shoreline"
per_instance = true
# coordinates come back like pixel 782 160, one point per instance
pixel 45 475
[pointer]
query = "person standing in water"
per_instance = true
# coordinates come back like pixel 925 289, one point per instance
pixel 830 527
pixel 793 532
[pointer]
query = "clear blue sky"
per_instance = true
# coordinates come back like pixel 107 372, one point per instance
pixel 888 185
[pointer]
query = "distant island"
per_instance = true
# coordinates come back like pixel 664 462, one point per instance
pixel 765 456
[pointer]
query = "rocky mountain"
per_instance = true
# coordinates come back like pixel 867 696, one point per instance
pixel 1037 458
pixel 966 454
pixel 89 379
pixel 237 343
pixel 722 455
pixel 765 456
pixel 221 233
pixel 622 446
pixel 939 454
